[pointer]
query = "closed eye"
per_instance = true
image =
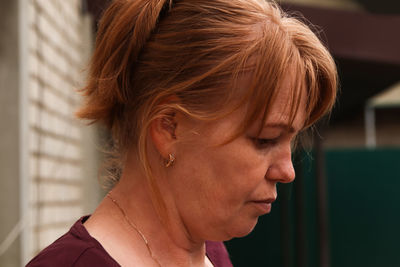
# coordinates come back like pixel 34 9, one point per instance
pixel 264 143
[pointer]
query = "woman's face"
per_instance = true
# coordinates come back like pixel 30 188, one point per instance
pixel 221 190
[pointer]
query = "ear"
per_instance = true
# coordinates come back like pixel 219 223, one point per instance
pixel 162 132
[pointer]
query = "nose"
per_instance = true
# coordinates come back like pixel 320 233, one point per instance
pixel 281 168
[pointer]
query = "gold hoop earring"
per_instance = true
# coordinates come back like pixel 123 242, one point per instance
pixel 170 161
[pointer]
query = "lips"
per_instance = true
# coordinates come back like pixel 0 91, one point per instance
pixel 266 200
pixel 263 205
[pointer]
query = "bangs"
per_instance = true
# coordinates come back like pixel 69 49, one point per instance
pixel 274 57
pixel 272 62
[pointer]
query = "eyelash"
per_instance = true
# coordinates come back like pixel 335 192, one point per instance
pixel 264 143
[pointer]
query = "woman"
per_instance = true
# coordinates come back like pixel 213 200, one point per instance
pixel 204 100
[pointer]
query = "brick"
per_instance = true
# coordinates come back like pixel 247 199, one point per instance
pixel 33 197
pixel 33 89
pixel 51 192
pixel 33 166
pixel 56 66
pixel 54 147
pixel 31 12
pixel 33 141
pixel 33 38
pixel 49 8
pixel 33 63
pixel 56 102
pixel 59 214
pixel 70 13
pixel 57 170
pixel 33 114
pixel 46 27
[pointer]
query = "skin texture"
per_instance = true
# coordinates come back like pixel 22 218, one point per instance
pixel 217 188
pixel 212 191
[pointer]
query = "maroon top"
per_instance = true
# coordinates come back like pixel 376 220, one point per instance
pixel 77 248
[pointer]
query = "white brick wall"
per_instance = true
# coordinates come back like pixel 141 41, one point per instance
pixel 57 57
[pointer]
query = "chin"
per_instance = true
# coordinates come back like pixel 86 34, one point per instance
pixel 244 228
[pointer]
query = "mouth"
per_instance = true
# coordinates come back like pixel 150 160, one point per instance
pixel 263 205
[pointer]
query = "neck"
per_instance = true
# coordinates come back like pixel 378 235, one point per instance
pixel 169 241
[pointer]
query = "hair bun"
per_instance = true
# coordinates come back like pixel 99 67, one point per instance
pixel 123 32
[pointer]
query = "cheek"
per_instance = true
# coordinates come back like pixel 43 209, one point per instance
pixel 222 175
pixel 238 170
pixel 213 185
pixel 240 176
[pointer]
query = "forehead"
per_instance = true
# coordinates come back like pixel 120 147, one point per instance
pixel 278 113
pixel 286 106
pixel 280 116
pixel 260 97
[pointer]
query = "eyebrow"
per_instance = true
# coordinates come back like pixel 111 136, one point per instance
pixel 287 127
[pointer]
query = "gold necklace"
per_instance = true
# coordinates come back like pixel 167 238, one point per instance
pixel 135 228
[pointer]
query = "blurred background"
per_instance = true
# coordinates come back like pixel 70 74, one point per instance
pixel 343 208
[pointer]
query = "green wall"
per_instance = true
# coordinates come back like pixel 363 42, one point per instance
pixel 363 213
pixel 364 187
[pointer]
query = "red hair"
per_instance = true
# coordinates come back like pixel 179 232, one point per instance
pixel 148 51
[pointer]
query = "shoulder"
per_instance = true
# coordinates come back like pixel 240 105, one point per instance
pixel 75 248
pixel 89 256
pixel 218 254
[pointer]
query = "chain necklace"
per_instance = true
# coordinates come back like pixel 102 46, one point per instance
pixel 131 224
